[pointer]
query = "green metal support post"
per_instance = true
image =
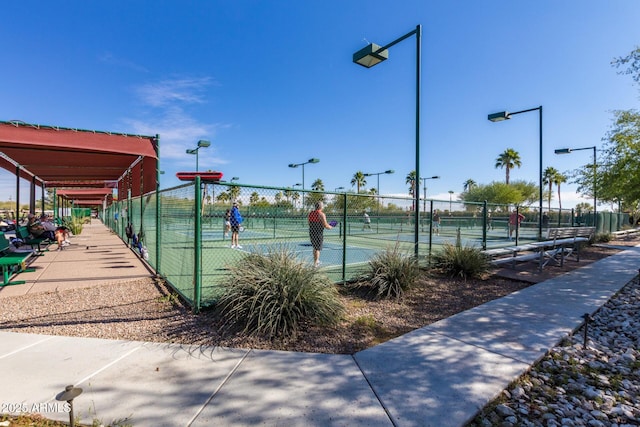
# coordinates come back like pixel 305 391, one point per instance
pixel 197 273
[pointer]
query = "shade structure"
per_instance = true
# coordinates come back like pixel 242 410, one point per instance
pixel 54 156
pixel 87 196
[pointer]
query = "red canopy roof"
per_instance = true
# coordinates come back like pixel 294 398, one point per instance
pixel 64 157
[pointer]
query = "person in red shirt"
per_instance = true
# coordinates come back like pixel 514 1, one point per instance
pixel 515 219
pixel 317 224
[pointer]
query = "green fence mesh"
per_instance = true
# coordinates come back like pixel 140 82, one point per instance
pixel 169 224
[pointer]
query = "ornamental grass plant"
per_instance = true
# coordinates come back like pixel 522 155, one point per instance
pixel 274 294
pixel 461 261
pixel 390 274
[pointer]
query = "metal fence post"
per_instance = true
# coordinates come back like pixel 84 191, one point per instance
pixel 197 273
pixel 344 238
pixel 484 225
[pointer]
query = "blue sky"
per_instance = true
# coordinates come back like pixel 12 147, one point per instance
pixel 272 82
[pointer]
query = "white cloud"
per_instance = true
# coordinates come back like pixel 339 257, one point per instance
pixel 177 129
pixel 168 92
pixel 109 58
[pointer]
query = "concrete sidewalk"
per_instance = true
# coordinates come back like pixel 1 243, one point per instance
pixel 439 375
pixel 95 256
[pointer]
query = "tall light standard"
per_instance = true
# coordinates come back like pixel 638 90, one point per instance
pixel 295 165
pixel 450 194
pixel 595 181
pixel 201 144
pixel 338 188
pixel 424 189
pixel 235 178
pixel 374 54
pixel 390 171
pixel 504 115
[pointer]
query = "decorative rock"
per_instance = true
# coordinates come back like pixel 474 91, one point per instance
pixel 574 386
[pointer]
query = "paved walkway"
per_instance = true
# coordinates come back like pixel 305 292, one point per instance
pixel 439 375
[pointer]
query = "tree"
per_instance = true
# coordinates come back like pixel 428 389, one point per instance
pixel 618 170
pixel 509 159
pixel 234 193
pixel 548 177
pixel 359 180
pixel 632 63
pixel 253 199
pixel 516 193
pixel 317 185
pixel 584 207
pixel 469 184
pixel 410 180
pixel 557 180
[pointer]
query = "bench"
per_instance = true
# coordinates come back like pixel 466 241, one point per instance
pixel 568 240
pixel 12 263
pixel 520 253
pixel 561 243
pixel 23 233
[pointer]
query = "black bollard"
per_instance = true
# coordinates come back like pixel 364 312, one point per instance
pixel 586 318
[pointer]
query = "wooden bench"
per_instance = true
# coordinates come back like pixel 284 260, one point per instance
pixel 23 233
pixel 12 263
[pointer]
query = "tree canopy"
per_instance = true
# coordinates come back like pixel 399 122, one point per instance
pixel 516 193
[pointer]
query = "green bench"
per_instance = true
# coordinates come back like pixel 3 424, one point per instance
pixel 12 263
pixel 23 233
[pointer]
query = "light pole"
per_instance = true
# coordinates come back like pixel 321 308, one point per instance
pixel 374 54
pixel 295 165
pixel 338 188
pixel 297 184
pixel 504 115
pixel 202 143
pixel 235 178
pixel 390 171
pixel 424 190
pixel 595 181
pixel 450 194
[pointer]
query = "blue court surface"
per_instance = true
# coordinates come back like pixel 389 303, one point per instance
pixel 331 254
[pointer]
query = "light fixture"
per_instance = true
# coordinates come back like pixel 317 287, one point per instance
pixel 504 115
pixel 374 54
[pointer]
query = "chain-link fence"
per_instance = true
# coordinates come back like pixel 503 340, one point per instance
pixel 184 234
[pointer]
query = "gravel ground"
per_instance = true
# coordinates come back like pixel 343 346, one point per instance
pixel 146 310
pixel 597 385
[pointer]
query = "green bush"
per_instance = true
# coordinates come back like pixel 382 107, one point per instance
pixel 603 237
pixel 75 225
pixel 391 273
pixel 273 294
pixel 462 261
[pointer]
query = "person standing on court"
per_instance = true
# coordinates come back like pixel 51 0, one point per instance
pixel 235 220
pixel 515 218
pixel 367 222
pixel 317 224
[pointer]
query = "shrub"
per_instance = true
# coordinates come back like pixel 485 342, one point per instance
pixel 273 294
pixel 391 273
pixel 463 261
pixel 603 237
pixel 75 225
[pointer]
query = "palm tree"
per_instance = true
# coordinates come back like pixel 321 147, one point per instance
pixel 469 184
pixel 508 160
pixel 317 185
pixel 223 197
pixel 359 180
pixel 559 179
pixel 411 181
pixel 548 178
pixel 253 199
pixel 234 193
